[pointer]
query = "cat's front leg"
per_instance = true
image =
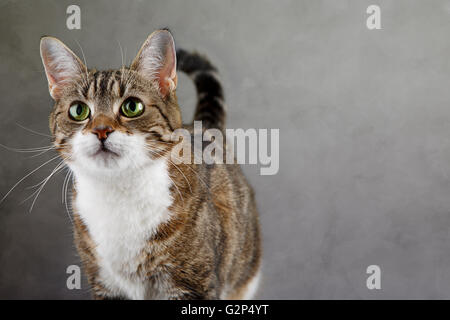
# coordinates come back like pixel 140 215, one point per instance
pixel 102 296
pixel 100 292
pixel 194 295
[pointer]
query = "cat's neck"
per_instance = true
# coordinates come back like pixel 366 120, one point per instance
pixel 121 214
pixel 144 191
pixel 131 179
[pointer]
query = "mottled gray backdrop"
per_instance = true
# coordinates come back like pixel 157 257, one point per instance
pixel 364 119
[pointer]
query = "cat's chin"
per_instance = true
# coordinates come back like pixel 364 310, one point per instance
pixel 99 162
pixel 107 163
pixel 104 153
pixel 106 159
pixel 119 154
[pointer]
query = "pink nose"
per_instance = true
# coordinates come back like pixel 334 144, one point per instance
pixel 102 132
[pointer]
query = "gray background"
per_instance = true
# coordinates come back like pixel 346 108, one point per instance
pixel 364 119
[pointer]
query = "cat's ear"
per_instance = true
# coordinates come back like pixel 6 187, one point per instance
pixel 157 61
pixel 61 65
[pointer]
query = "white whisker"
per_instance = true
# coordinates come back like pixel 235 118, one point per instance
pixel 176 167
pixel 25 150
pixel 70 174
pixel 64 185
pixel 85 63
pixel 121 53
pixel 57 169
pixel 33 131
pixel 26 176
pixel 179 192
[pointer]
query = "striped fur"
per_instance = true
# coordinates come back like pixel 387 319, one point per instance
pixel 210 106
pixel 185 231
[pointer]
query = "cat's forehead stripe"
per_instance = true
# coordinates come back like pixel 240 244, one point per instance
pixel 98 78
pixel 105 83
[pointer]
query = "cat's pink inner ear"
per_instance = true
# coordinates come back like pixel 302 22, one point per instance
pixel 157 61
pixel 168 74
pixel 61 65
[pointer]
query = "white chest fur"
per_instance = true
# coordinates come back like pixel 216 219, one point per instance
pixel 121 215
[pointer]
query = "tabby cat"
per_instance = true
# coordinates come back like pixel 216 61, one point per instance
pixel 145 227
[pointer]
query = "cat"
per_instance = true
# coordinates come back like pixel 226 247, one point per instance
pixel 145 227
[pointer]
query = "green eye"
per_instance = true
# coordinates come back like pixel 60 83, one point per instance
pixel 79 111
pixel 132 107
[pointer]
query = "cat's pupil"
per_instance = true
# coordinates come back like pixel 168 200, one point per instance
pixel 79 109
pixel 132 106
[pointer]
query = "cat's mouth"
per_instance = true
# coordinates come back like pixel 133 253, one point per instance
pixel 104 151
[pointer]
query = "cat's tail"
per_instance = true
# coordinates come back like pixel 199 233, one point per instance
pixel 210 106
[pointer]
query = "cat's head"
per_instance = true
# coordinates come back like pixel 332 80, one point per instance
pixel 116 120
